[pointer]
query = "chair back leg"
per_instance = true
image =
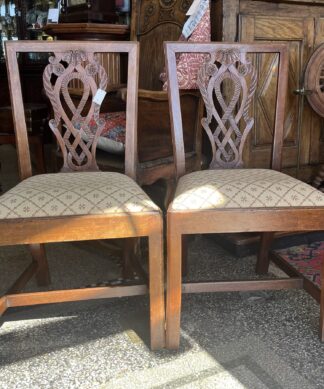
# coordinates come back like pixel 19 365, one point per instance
pixel 263 259
pixel 39 256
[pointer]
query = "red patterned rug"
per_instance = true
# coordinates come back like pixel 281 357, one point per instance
pixel 306 259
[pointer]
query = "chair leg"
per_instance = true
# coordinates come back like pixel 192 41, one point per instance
pixel 156 286
pixel 184 255
pixel 129 251
pixel 39 256
pixel 263 260
pixel 173 307
pixel 321 329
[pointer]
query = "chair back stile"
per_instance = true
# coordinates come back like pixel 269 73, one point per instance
pixel 131 154
pixel 280 110
pixel 77 132
pixel 19 120
pixel 228 83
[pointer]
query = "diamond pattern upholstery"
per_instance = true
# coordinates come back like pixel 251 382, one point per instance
pixel 243 188
pixel 63 194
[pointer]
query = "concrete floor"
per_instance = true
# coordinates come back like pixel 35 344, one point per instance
pixel 228 340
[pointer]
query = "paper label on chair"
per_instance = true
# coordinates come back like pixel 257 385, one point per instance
pixel 194 19
pixel 99 96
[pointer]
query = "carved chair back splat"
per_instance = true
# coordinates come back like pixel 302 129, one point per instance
pixel 223 199
pixel 78 143
pixel 228 138
pixel 87 204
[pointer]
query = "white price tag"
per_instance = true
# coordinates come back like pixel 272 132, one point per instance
pixel 194 19
pixel 99 96
pixel 53 15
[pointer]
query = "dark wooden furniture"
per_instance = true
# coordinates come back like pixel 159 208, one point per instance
pixel 36 115
pixel 155 152
pixel 153 23
pixel 80 203
pixel 88 31
pixel 22 25
pixel 102 11
pixel 224 199
pixel 300 25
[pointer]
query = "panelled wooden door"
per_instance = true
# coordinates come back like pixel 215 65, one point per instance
pixel 299 34
pixel 317 153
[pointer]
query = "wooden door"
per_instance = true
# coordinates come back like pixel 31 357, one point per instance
pixel 154 22
pixel 299 34
pixel 317 143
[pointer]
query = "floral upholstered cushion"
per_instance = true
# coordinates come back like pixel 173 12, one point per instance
pixel 112 138
pixel 86 193
pixel 243 188
pixel 188 64
pixel 115 124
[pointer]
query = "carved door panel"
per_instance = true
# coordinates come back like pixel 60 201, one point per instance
pixel 153 22
pixel 299 34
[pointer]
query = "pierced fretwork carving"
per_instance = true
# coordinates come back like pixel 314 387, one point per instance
pixel 227 82
pixel 75 137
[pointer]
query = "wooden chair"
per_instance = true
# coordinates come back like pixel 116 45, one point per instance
pixel 223 199
pixel 80 202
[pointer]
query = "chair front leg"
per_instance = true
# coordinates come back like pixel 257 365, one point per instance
pixel 156 285
pixel 173 310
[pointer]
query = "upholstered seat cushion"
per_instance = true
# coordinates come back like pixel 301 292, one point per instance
pixel 86 193
pixel 243 188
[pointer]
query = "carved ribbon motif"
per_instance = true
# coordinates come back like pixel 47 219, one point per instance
pixel 76 139
pixel 229 79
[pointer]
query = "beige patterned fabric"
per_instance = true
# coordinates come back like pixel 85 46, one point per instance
pixel 62 194
pixel 243 188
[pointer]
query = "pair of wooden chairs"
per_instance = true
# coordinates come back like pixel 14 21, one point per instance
pixel 89 204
